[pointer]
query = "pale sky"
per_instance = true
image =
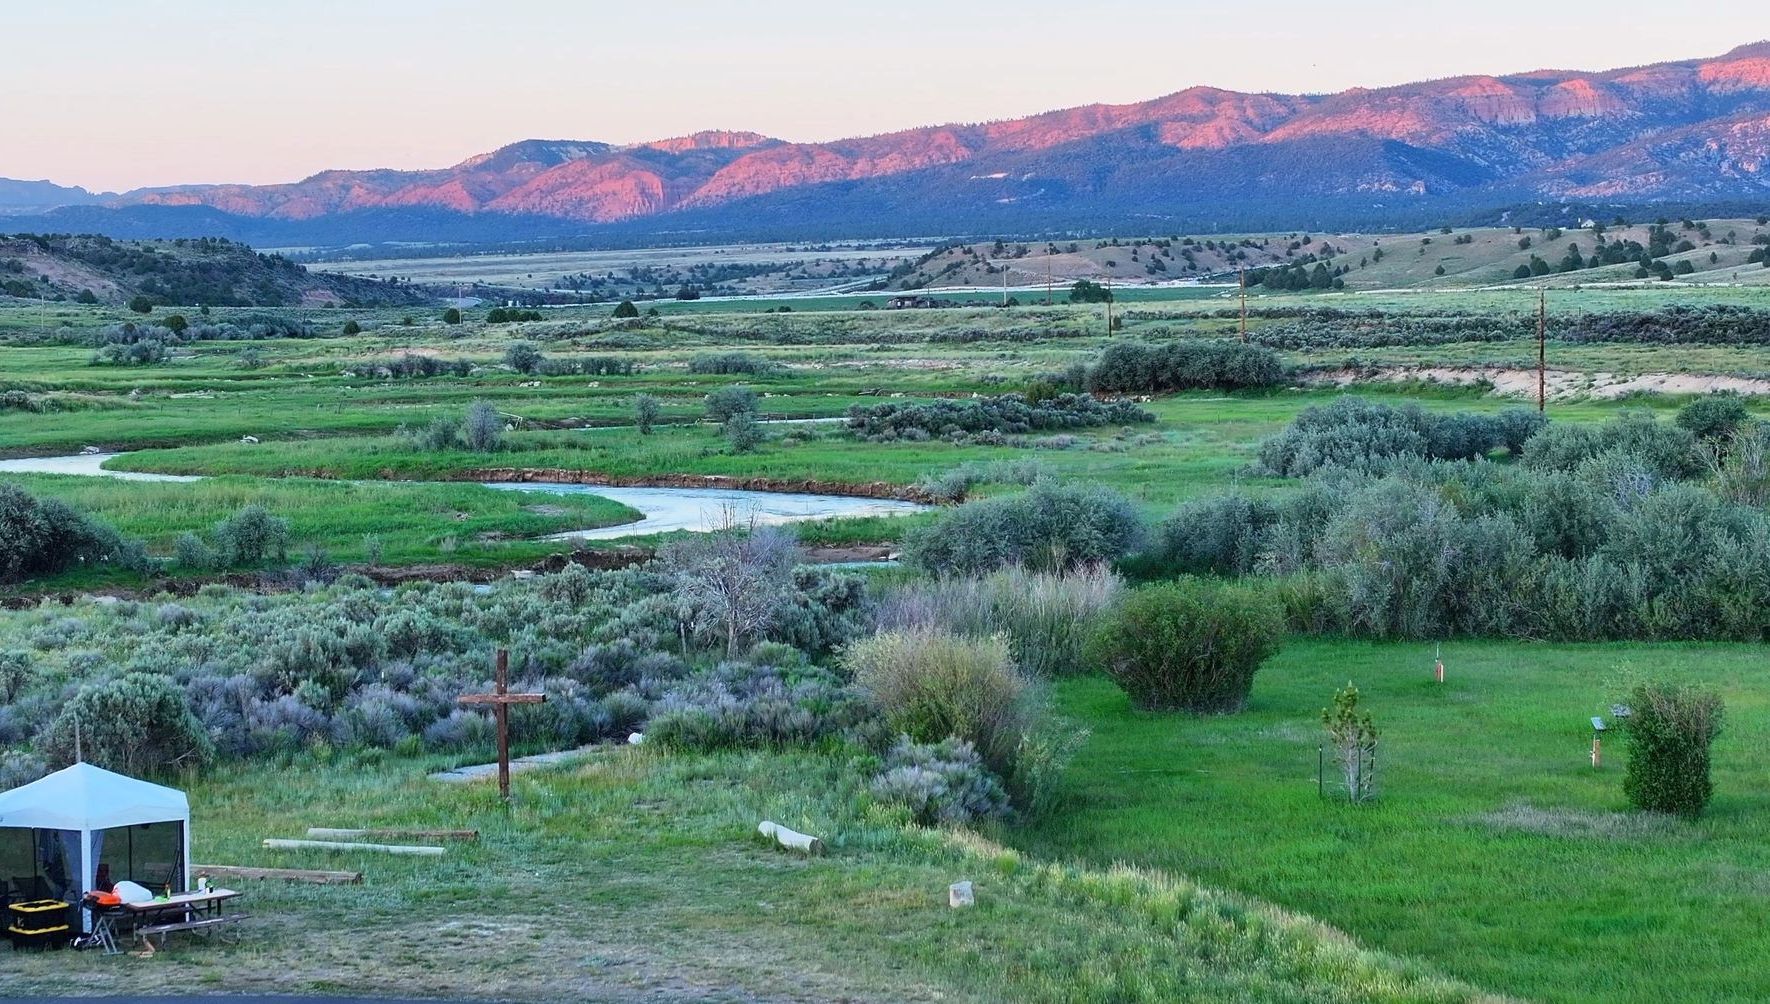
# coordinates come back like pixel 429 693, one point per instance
pixel 114 94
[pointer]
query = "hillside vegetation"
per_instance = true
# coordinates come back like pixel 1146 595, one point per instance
pixel 195 272
pixel 1724 251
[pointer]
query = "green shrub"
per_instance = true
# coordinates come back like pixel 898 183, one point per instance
pixel 931 685
pixel 452 316
pixel 523 357
pixel 44 536
pixel 192 552
pixel 1669 450
pixel 728 401
pixel 725 363
pixel 942 783
pixel 1360 435
pixel 351 327
pixel 443 433
pixel 250 536
pixel 1670 728
pixel 482 431
pixel 138 724
pixel 1049 527
pixel 1713 416
pixel 1189 645
pixel 1200 364
pixel 626 309
pixel 743 432
pixel 1009 414
pixel 1222 534
pixel 646 411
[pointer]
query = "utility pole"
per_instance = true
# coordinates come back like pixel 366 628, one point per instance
pixel 1004 285
pixel 1243 273
pixel 1109 305
pixel 1542 338
pixel 1048 257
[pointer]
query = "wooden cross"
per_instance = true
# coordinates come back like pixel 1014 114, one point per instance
pixel 501 699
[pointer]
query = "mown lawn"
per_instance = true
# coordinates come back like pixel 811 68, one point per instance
pixel 1496 852
pixel 637 875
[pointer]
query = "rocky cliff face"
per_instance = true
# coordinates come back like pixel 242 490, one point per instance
pixel 1683 129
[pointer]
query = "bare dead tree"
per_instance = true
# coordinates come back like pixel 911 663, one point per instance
pixel 733 582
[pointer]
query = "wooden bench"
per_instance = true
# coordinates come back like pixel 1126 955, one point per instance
pixel 147 933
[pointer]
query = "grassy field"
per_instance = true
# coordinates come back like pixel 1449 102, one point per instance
pixel 1496 855
pixel 461 524
pixel 1495 851
pixel 638 876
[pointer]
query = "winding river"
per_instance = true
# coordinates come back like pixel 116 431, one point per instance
pixel 664 509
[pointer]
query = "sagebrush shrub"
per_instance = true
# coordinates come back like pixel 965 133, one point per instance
pixel 482 431
pixel 251 536
pixel 741 704
pixel 1670 728
pixel 743 432
pixel 1371 437
pixel 942 783
pixel 1713 416
pixel 1190 645
pixel 138 724
pixel 1669 450
pixel 1011 414
pixel 1050 526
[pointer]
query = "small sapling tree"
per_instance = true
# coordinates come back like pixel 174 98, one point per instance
pixel 1352 744
pixel 646 410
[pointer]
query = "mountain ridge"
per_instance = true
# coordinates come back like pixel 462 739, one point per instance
pixel 1686 129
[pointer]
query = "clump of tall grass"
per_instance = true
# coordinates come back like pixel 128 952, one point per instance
pixel 931 686
pixel 1046 618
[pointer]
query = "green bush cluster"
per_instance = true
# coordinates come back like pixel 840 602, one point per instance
pixel 1009 414
pixel 249 537
pixel 1326 328
pixel 1356 434
pixel 1610 549
pixel 725 402
pixel 45 536
pixel 1051 526
pixel 1189 645
pixel 1194 364
pixel 138 724
pixel 727 363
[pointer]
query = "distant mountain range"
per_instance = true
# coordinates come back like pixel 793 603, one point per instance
pixel 1695 131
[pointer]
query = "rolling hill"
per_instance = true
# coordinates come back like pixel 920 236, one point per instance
pixel 184 272
pixel 1682 132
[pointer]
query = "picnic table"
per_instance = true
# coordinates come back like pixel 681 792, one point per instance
pixel 197 910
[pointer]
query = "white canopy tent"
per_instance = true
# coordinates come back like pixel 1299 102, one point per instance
pixel 71 810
